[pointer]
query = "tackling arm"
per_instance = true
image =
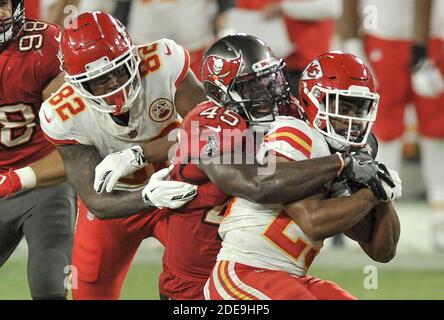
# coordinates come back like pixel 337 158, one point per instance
pixel 382 241
pixel 299 179
pixel 80 162
pixel 321 218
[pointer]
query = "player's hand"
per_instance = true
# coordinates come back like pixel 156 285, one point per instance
pixel 427 79
pixel 9 183
pixel 117 165
pixel 361 170
pixel 392 186
pixel 359 167
pixel 161 192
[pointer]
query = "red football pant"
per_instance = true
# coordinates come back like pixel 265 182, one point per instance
pixel 391 63
pixel 104 249
pixel 430 111
pixel 235 281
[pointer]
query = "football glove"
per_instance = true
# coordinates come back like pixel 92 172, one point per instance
pixel 161 192
pixel 117 165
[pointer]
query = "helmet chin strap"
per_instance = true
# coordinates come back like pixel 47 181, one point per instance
pixel 335 144
pixel 118 100
pixel 119 106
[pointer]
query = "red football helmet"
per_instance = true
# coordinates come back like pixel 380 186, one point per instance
pixel 338 96
pixel 93 45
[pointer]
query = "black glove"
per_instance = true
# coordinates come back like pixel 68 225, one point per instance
pixel 376 184
pixel 361 171
pixel 359 167
pixel 371 147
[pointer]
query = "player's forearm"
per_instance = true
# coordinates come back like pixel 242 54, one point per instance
pixel 297 180
pixel 386 232
pixel 49 170
pixel 157 150
pixel 80 162
pixel 321 219
pixel 290 181
pixel 117 204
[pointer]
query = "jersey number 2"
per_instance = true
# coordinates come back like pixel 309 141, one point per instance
pixel 67 106
pixel 277 233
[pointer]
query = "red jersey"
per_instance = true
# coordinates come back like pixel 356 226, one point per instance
pixel 193 241
pixel 32 9
pixel 27 65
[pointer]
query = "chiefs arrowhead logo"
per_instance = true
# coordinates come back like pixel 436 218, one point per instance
pixel 313 71
pixel 224 70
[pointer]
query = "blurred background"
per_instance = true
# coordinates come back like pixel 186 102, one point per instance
pixel 401 40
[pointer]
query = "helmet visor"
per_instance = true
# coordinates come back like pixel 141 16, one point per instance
pixel 261 95
pixel 349 117
pixel 112 86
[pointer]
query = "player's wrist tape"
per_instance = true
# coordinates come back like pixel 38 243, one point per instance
pixel 341 159
pixel 27 177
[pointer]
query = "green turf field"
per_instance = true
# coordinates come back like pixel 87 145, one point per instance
pixel 142 282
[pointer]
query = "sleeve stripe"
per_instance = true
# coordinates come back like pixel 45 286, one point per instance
pixel 185 69
pixel 302 135
pixel 60 142
pixel 293 140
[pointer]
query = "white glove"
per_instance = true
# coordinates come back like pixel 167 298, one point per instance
pixel 117 165
pixel 161 192
pixel 395 192
pixel 427 80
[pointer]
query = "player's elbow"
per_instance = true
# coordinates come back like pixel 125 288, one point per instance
pixel 96 208
pixel 97 212
pixel 383 255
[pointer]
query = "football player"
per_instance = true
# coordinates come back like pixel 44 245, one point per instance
pixel 267 250
pixel 34 199
pixel 117 96
pixel 215 129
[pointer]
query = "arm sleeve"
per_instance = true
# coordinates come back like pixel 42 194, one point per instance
pixel 288 138
pixel 177 60
pixel 58 132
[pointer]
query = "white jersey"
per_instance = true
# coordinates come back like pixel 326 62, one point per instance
pixel 67 119
pixel 188 22
pixel 388 19
pixel 264 236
